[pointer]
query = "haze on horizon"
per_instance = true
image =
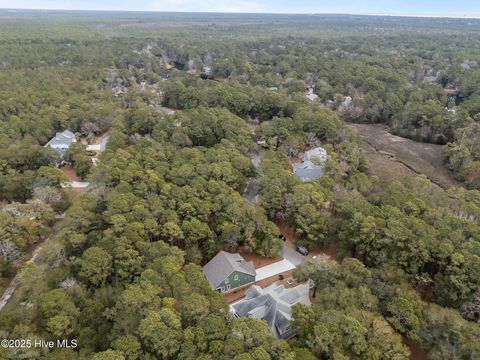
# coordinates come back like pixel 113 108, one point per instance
pixel 434 8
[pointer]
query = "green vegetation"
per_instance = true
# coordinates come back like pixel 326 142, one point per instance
pixel 188 101
pixel 463 156
pixel 357 311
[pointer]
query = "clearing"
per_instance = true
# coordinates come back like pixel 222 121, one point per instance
pixel 393 156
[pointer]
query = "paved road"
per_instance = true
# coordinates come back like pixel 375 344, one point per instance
pixel 293 256
pixel 251 191
pixel 257 155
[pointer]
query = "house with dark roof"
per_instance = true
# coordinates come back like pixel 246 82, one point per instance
pixel 226 272
pixel 272 304
pixel 62 141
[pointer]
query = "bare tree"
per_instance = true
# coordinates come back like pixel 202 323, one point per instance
pixel 48 195
pixel 471 309
pixel 89 129
pixel 8 250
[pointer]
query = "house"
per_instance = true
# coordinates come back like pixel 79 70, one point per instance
pixel 272 304
pixel 313 165
pixel 165 75
pixel 227 272
pixel 311 95
pixel 262 143
pixel 347 101
pixel 62 141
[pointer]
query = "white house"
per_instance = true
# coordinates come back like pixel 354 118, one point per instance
pixel 62 141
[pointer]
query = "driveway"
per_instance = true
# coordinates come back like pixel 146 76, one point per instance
pixel 273 269
pixel 291 259
pixel 292 255
pixel 100 145
pixel 77 184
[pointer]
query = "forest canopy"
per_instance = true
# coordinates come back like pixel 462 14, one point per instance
pixel 203 113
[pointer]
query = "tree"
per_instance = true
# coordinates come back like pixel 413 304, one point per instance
pixel 194 307
pixel 129 346
pixel 83 164
pixel 59 313
pixel 109 355
pixel 322 270
pixel 50 177
pixel 448 334
pixel 95 266
pixel 267 240
pixel 403 317
pixel 252 332
pixel 135 302
pixel 60 326
pixel 161 332
pixel 127 264
pixel 471 308
pixel 52 196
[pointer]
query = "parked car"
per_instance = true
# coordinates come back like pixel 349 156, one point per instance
pixel 302 250
pixel 283 237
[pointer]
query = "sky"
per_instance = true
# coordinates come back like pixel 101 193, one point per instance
pixel 460 8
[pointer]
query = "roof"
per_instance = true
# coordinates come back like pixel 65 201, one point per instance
pixel 313 164
pixel 317 154
pixel 312 96
pixel 273 304
pixel 223 264
pixel 347 101
pixel 63 139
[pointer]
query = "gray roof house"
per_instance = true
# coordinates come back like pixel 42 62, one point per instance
pixel 313 165
pixel 311 95
pixel 272 304
pixel 226 272
pixel 62 141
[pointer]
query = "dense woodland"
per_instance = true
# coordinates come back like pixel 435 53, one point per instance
pixel 121 271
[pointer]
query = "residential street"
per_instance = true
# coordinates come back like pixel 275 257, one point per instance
pixel 251 191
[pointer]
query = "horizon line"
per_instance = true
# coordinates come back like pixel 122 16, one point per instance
pixel 406 15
